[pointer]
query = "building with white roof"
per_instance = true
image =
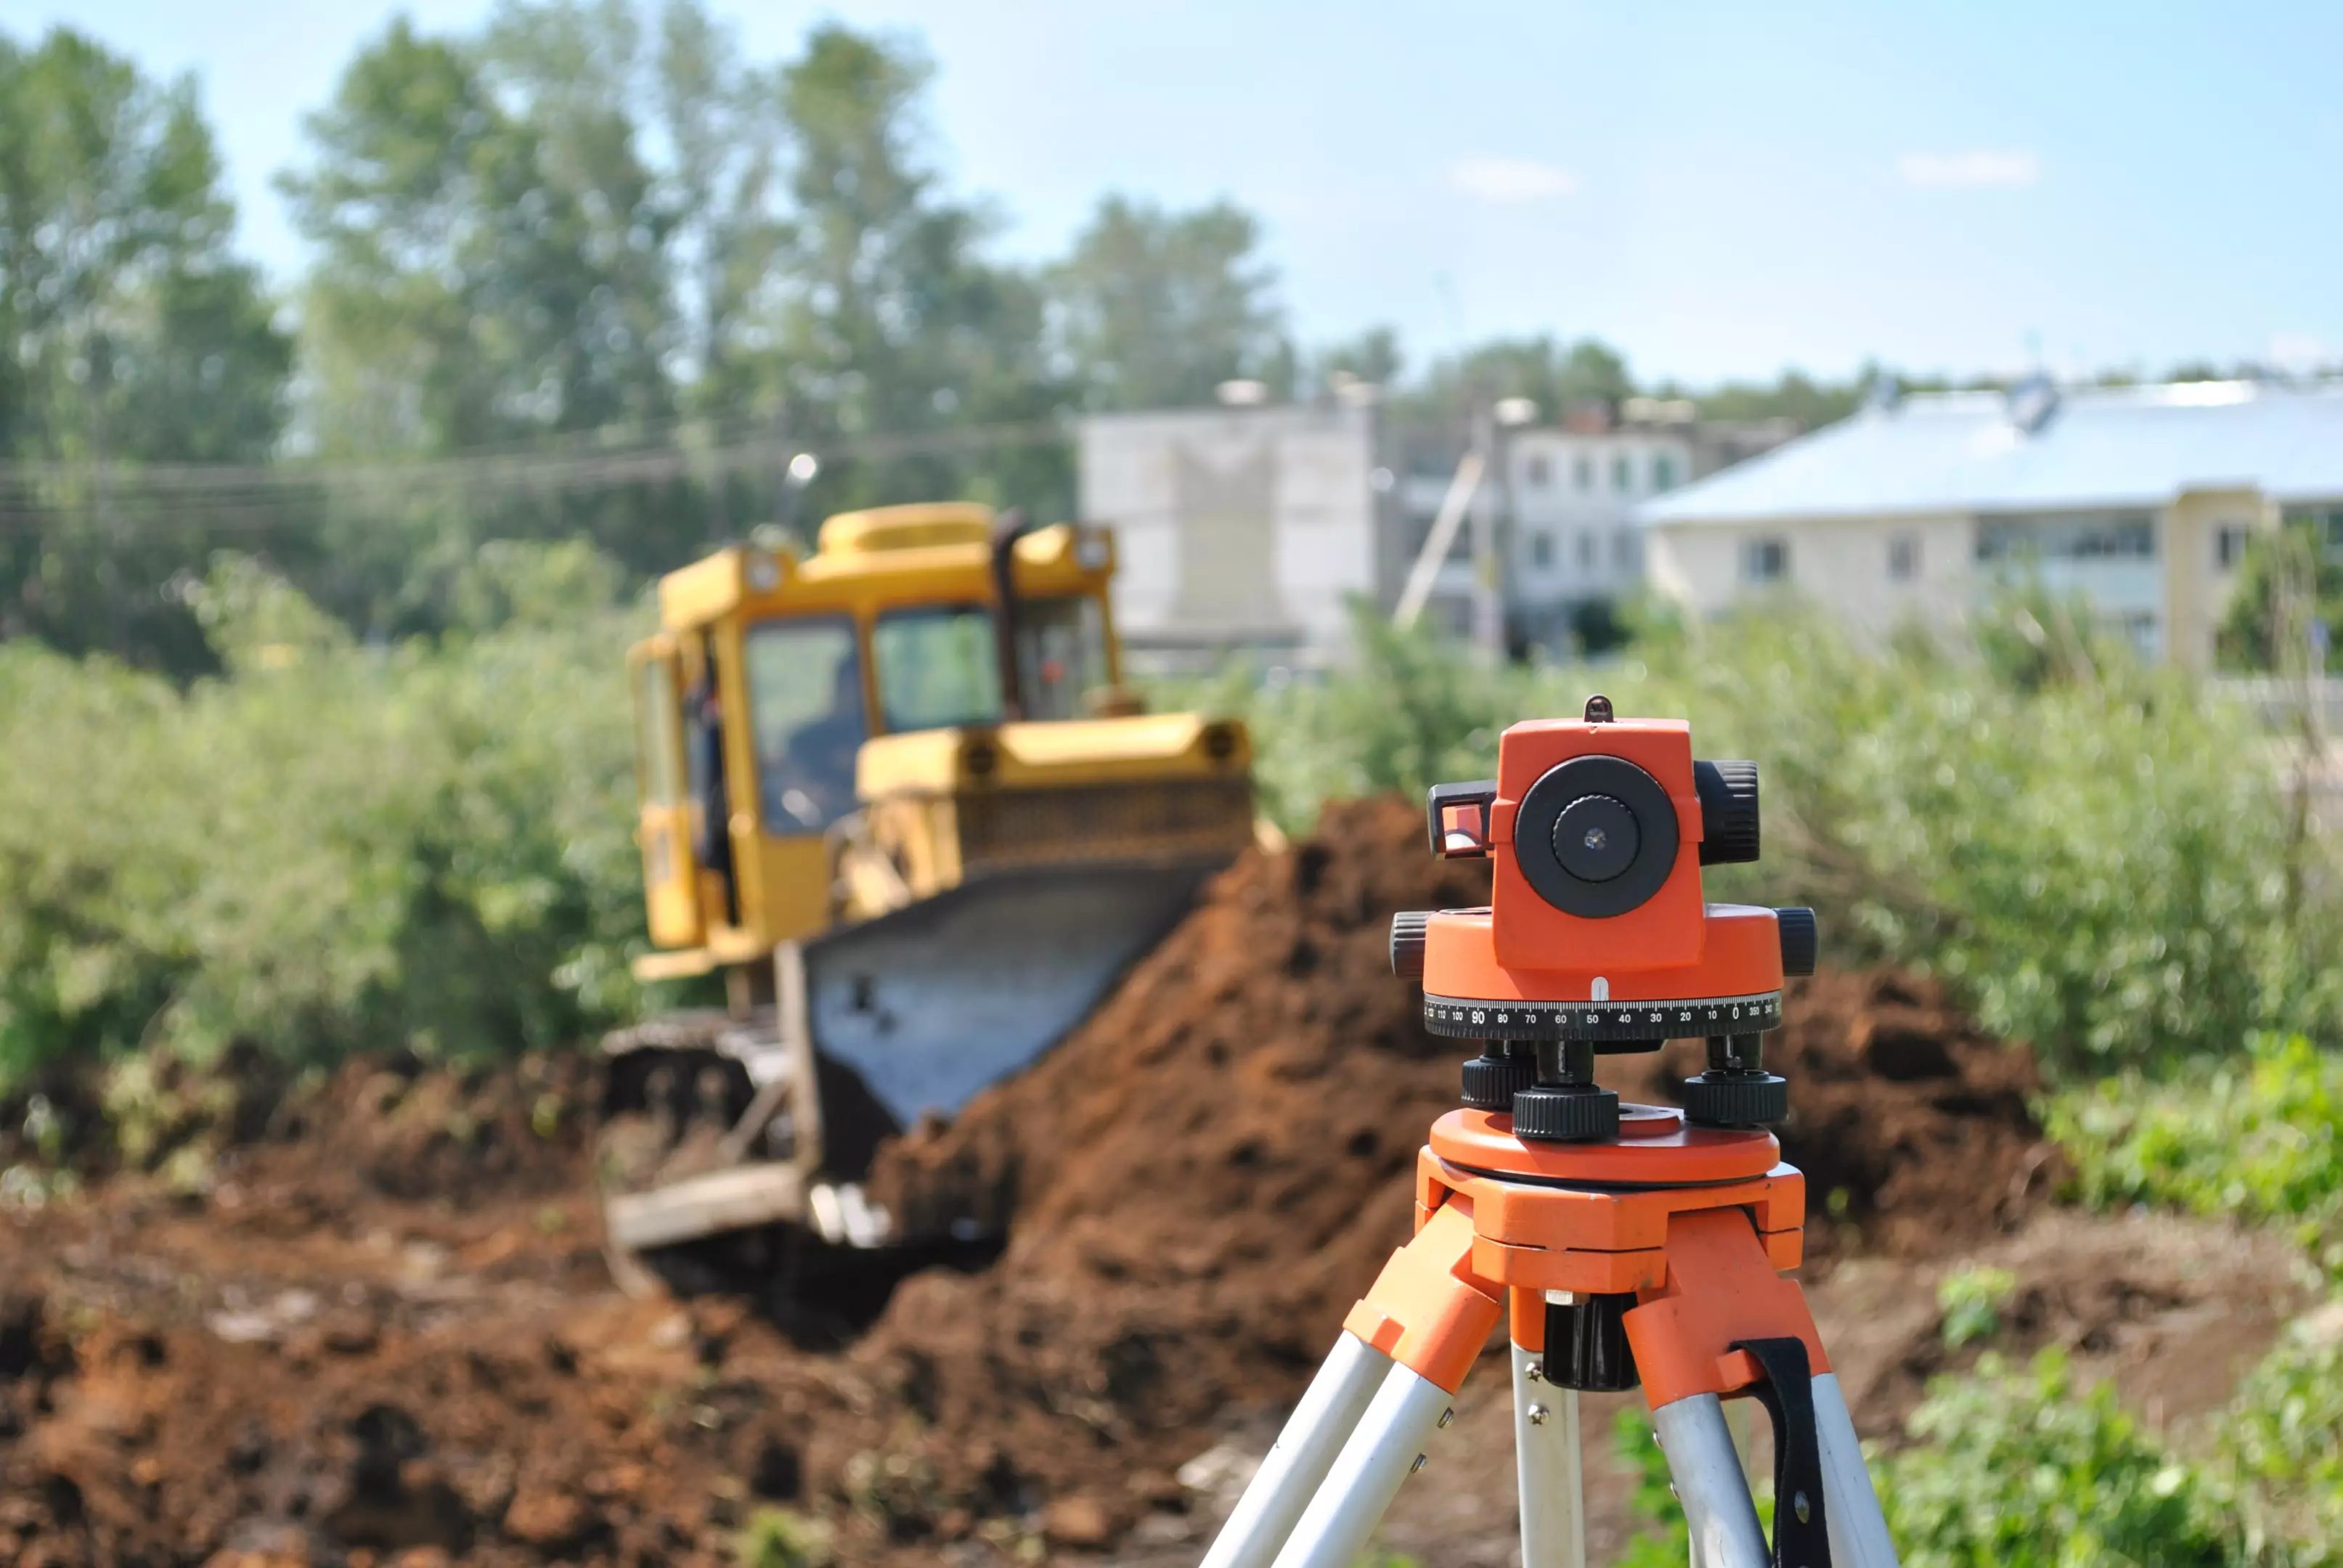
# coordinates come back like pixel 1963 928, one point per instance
pixel 2139 498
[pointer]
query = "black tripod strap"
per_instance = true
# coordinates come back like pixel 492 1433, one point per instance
pixel 1800 1539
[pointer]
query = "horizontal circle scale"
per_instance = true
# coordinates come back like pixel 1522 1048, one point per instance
pixel 1468 1018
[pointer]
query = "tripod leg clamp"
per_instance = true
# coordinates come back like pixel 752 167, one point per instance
pixel 1428 1311
pixel 1721 1292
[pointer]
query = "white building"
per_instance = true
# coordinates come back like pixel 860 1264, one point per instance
pixel 1244 526
pixel 2139 498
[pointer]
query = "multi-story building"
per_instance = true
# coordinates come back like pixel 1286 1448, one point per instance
pixel 1254 527
pixel 2139 500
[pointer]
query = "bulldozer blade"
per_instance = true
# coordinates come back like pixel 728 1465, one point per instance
pixel 935 1001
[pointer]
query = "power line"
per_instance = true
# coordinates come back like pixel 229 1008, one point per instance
pixel 261 498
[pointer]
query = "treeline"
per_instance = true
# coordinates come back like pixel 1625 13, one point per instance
pixel 586 271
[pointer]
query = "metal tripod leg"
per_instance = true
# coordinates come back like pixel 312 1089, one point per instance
pixel 1547 1460
pixel 1304 1452
pixel 1858 1533
pixel 1709 1481
pixel 1366 1475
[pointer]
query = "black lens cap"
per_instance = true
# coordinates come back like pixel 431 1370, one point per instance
pixel 1595 837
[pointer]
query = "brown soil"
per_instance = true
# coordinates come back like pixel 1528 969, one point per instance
pixel 385 1331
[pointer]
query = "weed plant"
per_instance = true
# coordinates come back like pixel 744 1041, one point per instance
pixel 2258 1136
pixel 334 845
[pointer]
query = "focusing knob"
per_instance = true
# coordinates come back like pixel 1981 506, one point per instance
pixel 1728 811
pixel 1408 929
pixel 1801 940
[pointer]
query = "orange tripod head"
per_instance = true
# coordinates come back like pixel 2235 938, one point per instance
pixel 1597 939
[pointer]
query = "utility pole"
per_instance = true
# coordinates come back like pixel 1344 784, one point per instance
pixel 1488 608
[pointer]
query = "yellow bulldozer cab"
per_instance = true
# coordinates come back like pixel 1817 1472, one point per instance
pixel 792 708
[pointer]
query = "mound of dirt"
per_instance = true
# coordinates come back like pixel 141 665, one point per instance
pixel 1911 1125
pixel 382 1329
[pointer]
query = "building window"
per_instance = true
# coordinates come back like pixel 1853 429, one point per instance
pixel 1664 472
pixel 1540 550
pixel 1622 473
pixel 2229 544
pixel 1765 560
pixel 1903 557
pixel 2073 536
pixel 1582 472
pixel 1624 550
pixel 1586 551
pixel 1540 473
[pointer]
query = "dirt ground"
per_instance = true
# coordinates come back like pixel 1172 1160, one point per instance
pixel 380 1328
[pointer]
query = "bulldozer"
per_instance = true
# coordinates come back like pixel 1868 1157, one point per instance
pixel 896 793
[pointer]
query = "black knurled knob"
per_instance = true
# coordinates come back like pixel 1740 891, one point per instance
pixel 1560 1113
pixel 1586 1345
pixel 1408 929
pixel 1728 811
pixel 1737 1099
pixel 1801 940
pixel 1490 1081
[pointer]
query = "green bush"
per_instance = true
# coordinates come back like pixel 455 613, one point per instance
pixel 2029 1472
pixel 333 846
pixel 2284 1439
pixel 1971 1301
pixel 2094 854
pixel 2259 1137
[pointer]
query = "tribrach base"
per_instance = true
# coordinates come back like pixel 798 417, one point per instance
pixel 1695 1223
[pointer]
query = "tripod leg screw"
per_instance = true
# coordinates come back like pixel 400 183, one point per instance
pixel 1537 1414
pixel 1421 1461
pixel 1450 1415
pixel 1804 1511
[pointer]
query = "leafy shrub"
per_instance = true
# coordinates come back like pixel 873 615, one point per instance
pixel 1971 1301
pixel 2260 1138
pixel 781 1538
pixel 2284 1438
pixel 422 845
pixel 2029 1472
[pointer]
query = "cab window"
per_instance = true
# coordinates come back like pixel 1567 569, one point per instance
pixel 939 668
pixel 1061 654
pixel 659 735
pixel 805 694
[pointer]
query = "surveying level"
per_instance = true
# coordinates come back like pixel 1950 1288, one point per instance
pixel 1628 1246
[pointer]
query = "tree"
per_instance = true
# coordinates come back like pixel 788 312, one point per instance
pixel 490 242
pixel 728 146
pixel 889 318
pixel 1373 355
pixel 1154 309
pixel 134 333
pixel 2290 583
pixel 1554 375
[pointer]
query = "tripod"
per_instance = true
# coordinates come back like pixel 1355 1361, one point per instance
pixel 1654 1257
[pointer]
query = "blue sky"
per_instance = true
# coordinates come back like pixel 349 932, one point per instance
pixel 1720 190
